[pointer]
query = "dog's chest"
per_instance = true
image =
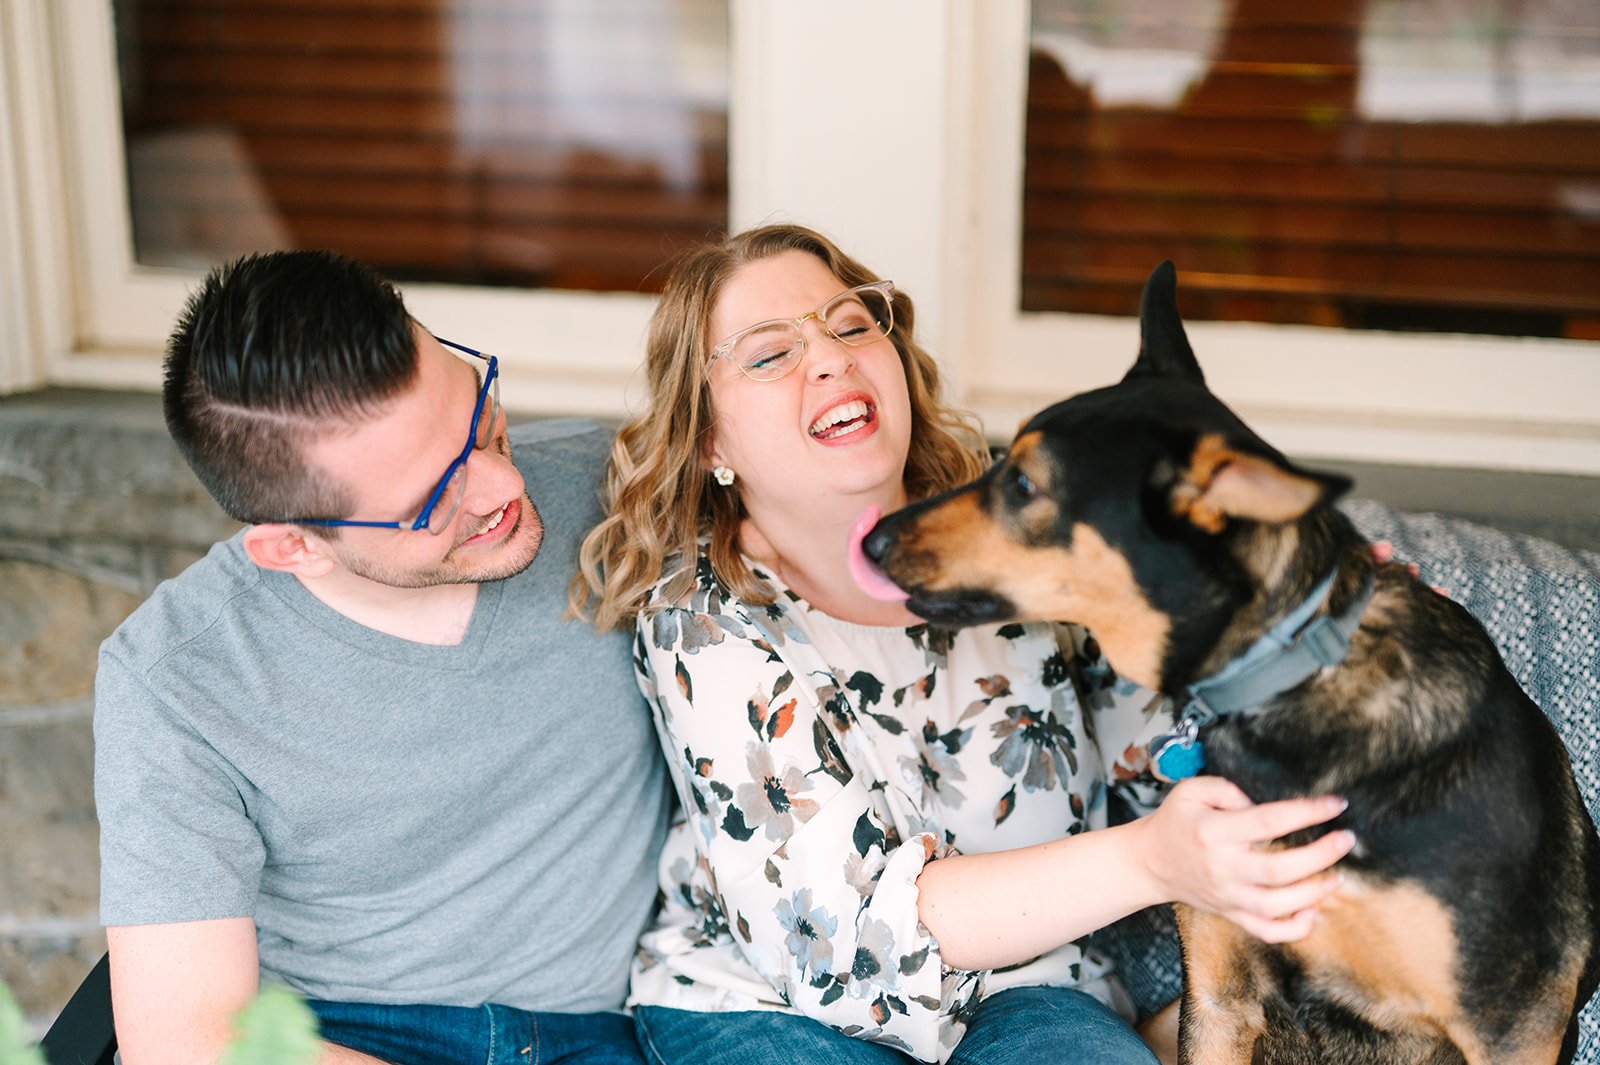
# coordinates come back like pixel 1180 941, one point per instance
pixel 1266 765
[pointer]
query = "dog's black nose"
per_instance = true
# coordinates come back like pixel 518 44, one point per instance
pixel 876 543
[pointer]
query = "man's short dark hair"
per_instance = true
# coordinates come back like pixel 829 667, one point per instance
pixel 271 352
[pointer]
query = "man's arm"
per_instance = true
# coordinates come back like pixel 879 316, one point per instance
pixel 176 987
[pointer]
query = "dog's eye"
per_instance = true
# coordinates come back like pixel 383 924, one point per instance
pixel 1019 487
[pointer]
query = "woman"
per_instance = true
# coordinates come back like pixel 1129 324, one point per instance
pixel 884 822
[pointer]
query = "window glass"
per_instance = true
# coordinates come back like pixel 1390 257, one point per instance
pixel 550 143
pixel 1390 164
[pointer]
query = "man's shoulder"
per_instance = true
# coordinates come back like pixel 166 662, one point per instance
pixel 563 461
pixel 560 441
pixel 184 607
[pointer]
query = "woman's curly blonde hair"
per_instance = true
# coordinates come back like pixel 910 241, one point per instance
pixel 657 497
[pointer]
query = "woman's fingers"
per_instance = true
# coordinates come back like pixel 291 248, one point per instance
pixel 1215 792
pixel 1279 902
pixel 1281 867
pixel 1271 820
pixel 1211 847
pixel 1282 930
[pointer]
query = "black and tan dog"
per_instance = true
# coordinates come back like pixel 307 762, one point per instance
pixel 1466 929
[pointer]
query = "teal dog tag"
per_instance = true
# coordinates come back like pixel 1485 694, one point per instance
pixel 1175 758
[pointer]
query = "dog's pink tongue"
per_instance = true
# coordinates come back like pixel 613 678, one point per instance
pixel 870 578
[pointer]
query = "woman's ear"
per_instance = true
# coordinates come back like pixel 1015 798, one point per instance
pixel 709 457
pixel 289 548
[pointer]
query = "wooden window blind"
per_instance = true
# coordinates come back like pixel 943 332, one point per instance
pixel 540 143
pixel 1408 164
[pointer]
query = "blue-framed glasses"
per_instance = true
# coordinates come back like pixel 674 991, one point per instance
pixel 445 499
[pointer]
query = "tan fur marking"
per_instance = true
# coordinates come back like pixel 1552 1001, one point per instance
pixel 1026 455
pixel 1390 953
pixel 1221 1019
pixel 1537 1039
pixel 1189 495
pixel 1132 633
pixel 1023 447
pixel 956 545
pixel 959 545
pixel 1222 482
pixel 1091 584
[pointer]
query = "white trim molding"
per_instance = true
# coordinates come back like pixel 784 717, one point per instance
pixel 36 300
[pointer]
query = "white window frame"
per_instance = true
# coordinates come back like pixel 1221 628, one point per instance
pixel 927 97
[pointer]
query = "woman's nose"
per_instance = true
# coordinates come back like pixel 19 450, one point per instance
pixel 826 355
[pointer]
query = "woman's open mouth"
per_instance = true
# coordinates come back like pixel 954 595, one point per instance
pixel 843 420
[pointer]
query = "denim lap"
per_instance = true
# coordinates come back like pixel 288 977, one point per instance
pixel 1020 1026
pixel 1049 1026
pixel 688 1037
pixel 482 1035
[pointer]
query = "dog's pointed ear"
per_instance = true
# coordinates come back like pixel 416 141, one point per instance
pixel 1225 481
pixel 1164 349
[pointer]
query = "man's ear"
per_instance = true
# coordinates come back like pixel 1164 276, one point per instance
pixel 289 548
pixel 1223 481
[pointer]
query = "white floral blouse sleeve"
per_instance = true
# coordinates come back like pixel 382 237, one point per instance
pixel 815 882
pixel 1125 717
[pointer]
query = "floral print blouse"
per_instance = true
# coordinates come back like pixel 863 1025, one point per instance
pixel 820 765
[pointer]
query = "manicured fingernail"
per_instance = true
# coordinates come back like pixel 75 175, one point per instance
pixel 1338 804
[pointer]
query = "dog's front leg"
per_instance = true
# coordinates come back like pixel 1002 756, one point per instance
pixel 1213 1032
pixel 1221 1018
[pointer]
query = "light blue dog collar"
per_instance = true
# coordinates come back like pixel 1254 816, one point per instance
pixel 1287 654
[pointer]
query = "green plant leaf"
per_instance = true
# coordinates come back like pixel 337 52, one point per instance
pixel 276 1029
pixel 15 1046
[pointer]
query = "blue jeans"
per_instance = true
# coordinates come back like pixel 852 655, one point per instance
pixel 1020 1026
pixel 484 1035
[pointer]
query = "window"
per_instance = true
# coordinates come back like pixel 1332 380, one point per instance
pixel 1428 165
pixel 536 143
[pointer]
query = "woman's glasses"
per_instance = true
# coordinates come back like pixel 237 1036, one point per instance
pixel 767 351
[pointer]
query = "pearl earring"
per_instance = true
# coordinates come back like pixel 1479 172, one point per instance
pixel 724 475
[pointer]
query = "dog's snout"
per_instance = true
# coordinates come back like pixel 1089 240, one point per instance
pixel 876 543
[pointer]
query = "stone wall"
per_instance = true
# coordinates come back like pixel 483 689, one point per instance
pixel 96 507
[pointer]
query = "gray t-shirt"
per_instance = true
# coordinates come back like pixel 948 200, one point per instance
pixel 405 822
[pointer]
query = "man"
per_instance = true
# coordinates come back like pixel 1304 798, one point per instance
pixel 356 749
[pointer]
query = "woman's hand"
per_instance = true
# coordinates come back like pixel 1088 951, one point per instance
pixel 1206 846
pixel 1383 551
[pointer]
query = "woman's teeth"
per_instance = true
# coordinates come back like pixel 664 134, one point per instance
pixel 841 420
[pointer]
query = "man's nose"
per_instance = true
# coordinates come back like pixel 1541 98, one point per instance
pixel 492 478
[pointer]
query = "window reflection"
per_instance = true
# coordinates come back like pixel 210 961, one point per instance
pixel 1414 164
pixel 555 143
